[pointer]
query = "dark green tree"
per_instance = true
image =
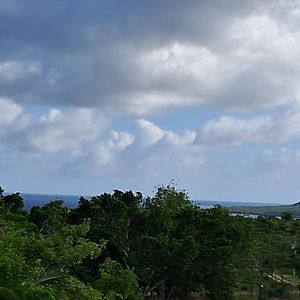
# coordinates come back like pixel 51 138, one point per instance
pixel 117 283
pixel 13 202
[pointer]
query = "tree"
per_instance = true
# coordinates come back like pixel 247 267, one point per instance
pixel 37 266
pixel 111 218
pixel 162 243
pixel 13 202
pixel 1 191
pixel 50 217
pixel 117 283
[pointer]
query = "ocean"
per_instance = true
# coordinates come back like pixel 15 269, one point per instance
pixel 30 200
pixel 71 201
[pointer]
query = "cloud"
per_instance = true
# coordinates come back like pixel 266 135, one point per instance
pixel 266 129
pixel 160 153
pixel 12 70
pixel 105 152
pixel 148 133
pixel 88 63
pixel 57 132
pixel 9 111
pixel 147 151
pixel 54 115
pixel 142 59
pixel 12 119
pixel 84 141
pixel 283 157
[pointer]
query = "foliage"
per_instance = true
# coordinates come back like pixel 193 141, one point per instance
pixel 116 282
pixel 124 246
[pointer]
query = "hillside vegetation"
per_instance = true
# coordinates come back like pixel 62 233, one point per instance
pixel 125 246
pixel 274 210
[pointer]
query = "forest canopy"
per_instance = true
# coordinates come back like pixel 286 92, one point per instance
pixel 126 246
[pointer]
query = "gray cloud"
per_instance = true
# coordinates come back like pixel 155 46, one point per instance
pixel 88 59
pixel 139 57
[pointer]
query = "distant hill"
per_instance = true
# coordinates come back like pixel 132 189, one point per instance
pixel 276 210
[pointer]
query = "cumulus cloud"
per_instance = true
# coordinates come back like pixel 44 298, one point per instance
pixel 105 152
pixel 92 62
pixel 57 132
pixel 52 116
pixel 84 140
pixel 12 118
pixel 266 129
pixel 9 111
pixel 148 133
pixel 148 149
pixel 159 152
pixel 243 57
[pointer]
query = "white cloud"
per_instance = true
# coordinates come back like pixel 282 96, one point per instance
pixel 148 133
pixel 265 129
pixel 160 152
pixel 180 74
pixel 9 110
pixel 54 115
pixel 181 62
pixel 66 132
pixel 76 139
pixel 147 151
pixel 256 67
pixel 142 104
pixel 259 36
pixel 105 152
pixel 120 140
pixel 225 56
pixel 12 118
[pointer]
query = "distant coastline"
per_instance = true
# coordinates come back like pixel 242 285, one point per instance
pixel 71 201
pixel 267 210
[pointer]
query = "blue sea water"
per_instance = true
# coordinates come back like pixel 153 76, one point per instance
pixel 30 200
pixel 71 201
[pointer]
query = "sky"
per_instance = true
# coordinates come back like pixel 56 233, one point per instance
pixel 113 94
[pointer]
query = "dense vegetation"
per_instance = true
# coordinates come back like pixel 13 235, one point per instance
pixel 125 246
pixel 274 210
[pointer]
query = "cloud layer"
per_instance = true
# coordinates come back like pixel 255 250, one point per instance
pixel 137 59
pixel 89 90
pixel 78 142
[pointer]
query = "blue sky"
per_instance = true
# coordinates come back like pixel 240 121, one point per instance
pixel 98 95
